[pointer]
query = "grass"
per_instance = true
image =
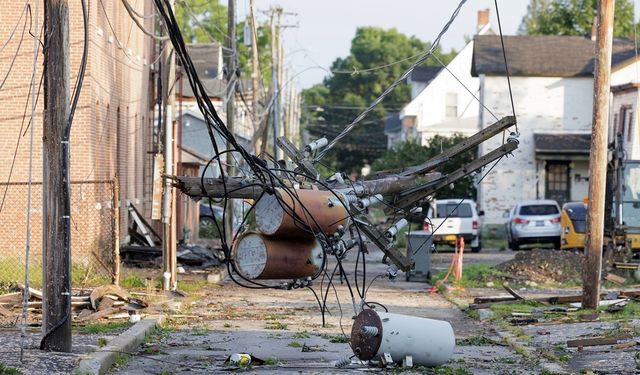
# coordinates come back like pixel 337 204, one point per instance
pixel 12 270
pixel 199 331
pixel 132 282
pixel 102 342
pixel 121 360
pixel 474 276
pixel 158 333
pixel 103 328
pixel 192 286
pixel 295 344
pixel 6 370
pixel 446 370
pixel 336 339
pixel 302 335
pixel 276 325
pixel 502 311
pixel 273 361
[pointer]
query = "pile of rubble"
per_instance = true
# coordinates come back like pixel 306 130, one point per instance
pixel 104 302
pixel 544 266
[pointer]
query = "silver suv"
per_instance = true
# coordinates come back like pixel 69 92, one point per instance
pixel 535 221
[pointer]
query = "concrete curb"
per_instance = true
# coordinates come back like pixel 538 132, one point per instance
pixel 100 361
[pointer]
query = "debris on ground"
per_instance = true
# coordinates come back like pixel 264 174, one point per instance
pixel 544 266
pixel 104 302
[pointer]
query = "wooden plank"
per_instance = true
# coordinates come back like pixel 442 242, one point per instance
pixel 596 341
pixel 32 292
pixel 512 292
pixel 100 314
pixel 615 279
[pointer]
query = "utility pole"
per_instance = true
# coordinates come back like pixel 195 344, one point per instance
pixel 255 72
pixel 598 159
pixel 231 95
pixel 169 256
pixel 56 278
pixel 275 72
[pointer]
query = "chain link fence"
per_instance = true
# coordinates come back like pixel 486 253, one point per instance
pixel 94 232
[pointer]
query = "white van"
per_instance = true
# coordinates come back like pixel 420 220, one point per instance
pixel 453 218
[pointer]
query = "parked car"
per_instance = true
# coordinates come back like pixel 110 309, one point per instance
pixel 573 222
pixel 453 218
pixel 536 221
pixel 207 216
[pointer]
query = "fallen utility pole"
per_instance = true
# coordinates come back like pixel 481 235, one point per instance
pixel 403 191
pixel 56 276
pixel 598 157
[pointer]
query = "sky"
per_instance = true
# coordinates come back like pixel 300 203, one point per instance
pixel 325 27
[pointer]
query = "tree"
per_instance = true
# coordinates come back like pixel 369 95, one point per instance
pixel 377 58
pixel 411 153
pixel 205 21
pixel 573 17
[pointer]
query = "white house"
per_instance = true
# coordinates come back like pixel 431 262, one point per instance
pixel 552 86
pixel 445 102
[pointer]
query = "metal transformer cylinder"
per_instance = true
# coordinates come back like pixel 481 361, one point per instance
pixel 260 257
pixel 315 211
pixel 429 342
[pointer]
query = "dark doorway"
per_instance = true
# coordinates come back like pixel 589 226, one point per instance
pixel 558 184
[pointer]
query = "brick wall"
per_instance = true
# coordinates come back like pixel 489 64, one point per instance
pixel 111 133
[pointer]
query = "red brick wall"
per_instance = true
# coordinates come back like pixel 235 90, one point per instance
pixel 111 133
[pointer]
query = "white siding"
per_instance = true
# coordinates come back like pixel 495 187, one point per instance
pixel 543 105
pixel 430 105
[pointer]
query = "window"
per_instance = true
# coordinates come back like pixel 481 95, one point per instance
pixel 449 210
pixel 451 104
pixel 539 209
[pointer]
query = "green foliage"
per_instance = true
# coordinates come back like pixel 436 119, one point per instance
pixel 474 275
pixel 295 344
pixel 6 370
pixel 209 230
pixel 573 17
pixel 102 342
pixel 352 87
pixel 476 341
pixel 276 325
pixel 133 281
pixel 336 339
pixel 411 153
pixel 205 21
pixel 301 335
pixel 192 286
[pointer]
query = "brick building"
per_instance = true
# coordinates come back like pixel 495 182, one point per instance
pixel 112 133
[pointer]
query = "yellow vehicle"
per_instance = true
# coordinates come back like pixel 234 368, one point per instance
pixel 573 221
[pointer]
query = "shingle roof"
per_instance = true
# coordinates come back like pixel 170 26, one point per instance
pixel 542 55
pixel 425 73
pixel 392 123
pixel 562 143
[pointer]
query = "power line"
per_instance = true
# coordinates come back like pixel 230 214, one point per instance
pixel 133 16
pixel 393 85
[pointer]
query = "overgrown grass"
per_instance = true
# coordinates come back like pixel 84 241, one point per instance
pixel 476 341
pixel 132 282
pixel 103 328
pixel 295 344
pixel 12 270
pixel 474 276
